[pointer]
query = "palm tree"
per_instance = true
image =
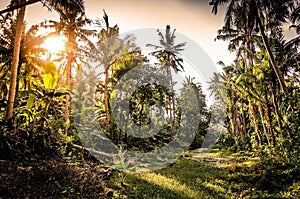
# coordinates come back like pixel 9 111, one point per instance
pixel 107 36
pixel 21 6
pixel 168 55
pixel 115 55
pixel 260 16
pixel 71 25
pixel 255 33
pixel 29 59
pixel 30 56
pixel 15 62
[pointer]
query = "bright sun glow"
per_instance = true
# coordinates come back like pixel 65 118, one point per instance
pixel 54 44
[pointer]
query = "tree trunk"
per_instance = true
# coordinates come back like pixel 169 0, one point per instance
pixel 256 127
pixel 18 79
pixel 172 107
pixel 270 53
pixel 240 129
pixel 268 115
pixel 275 104
pixel 263 123
pixel 141 117
pixel 69 72
pixel 15 61
pixel 19 5
pixel 231 117
pixel 106 99
pixel 232 126
pixel 244 126
pixel 70 59
pixel 68 84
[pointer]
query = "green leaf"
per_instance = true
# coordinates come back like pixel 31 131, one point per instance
pixel 112 99
pixel 30 101
pixel 50 76
pixel 44 103
pixel 258 72
pixel 238 79
pixel 285 119
pixel 67 124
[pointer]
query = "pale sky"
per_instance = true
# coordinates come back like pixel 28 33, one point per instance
pixel 191 18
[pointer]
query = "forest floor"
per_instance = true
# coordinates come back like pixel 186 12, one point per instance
pixel 217 174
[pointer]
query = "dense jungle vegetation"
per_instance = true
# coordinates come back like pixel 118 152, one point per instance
pixel 51 98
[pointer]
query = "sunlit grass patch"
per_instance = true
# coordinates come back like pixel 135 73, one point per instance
pixel 236 175
pixel 169 183
pixel 185 178
pixel 215 185
pixel 250 162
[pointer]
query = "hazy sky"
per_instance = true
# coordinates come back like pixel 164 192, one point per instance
pixel 192 18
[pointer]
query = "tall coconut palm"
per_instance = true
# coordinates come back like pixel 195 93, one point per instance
pixel 107 45
pixel 21 6
pixel 15 62
pixel 29 59
pixel 109 52
pixel 169 57
pixel 263 15
pixel 71 25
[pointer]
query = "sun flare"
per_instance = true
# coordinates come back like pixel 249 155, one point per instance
pixel 54 44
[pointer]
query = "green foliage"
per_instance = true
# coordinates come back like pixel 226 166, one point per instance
pixel 203 114
pixel 226 141
pixel 50 76
pixel 285 155
pixel 168 52
pixel 261 88
pixel 38 130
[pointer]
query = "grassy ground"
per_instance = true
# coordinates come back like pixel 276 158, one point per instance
pixel 214 175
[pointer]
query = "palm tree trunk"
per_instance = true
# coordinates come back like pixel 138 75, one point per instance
pixel 141 116
pixel 263 123
pixel 68 83
pixel 106 99
pixel 238 120
pixel 268 115
pixel 254 117
pixel 275 104
pixel 171 102
pixel 243 133
pixel 70 58
pixel 270 53
pixel 15 61
pixel 232 125
pixel 18 78
pixel 172 107
pixel 231 113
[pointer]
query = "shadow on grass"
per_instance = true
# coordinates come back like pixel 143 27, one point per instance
pixel 184 179
pixel 191 178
